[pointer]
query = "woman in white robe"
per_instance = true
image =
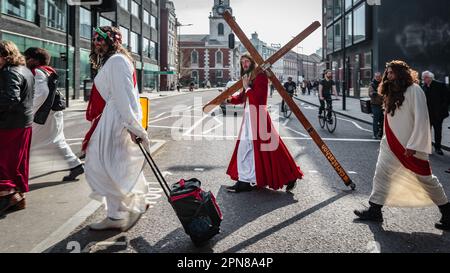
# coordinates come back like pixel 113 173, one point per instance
pixel 403 176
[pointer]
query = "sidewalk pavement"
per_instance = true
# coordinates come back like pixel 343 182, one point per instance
pixel 353 110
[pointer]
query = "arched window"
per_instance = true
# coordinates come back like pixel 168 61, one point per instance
pixel 221 29
pixel 194 57
pixel 219 57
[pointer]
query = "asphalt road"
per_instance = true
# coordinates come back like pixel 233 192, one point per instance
pixel 318 218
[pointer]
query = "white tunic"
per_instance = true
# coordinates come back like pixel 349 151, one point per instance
pixel 114 164
pixel 393 184
pixel 245 154
pixel 49 150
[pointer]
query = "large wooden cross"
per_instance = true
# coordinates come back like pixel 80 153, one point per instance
pixel 266 66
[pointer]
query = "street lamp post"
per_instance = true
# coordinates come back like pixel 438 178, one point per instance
pixel 179 25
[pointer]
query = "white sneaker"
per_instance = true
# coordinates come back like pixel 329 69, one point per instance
pixel 131 221
pixel 108 224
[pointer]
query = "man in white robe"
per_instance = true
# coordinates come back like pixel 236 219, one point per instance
pixel 114 163
pixel 403 176
pixel 49 150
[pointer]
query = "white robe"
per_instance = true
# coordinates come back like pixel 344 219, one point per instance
pixel 393 184
pixel 49 150
pixel 245 154
pixel 114 164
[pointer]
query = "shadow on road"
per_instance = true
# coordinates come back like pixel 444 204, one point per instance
pixel 238 210
pixel 37 186
pixel 400 242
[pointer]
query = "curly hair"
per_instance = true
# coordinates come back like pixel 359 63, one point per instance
pixel 114 42
pixel 394 91
pixel 11 53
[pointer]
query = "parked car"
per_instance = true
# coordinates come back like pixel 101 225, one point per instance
pixel 230 108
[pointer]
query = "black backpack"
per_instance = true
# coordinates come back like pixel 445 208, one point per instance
pixel 55 100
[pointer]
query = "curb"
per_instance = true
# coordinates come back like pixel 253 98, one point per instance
pixel 445 148
pixel 79 218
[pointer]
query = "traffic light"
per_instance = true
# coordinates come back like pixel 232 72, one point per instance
pixel 231 41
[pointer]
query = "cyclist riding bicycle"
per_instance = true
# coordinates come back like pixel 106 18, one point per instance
pixel 327 87
pixel 290 87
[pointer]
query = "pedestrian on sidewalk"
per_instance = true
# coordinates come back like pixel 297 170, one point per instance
pixel 16 118
pixel 48 131
pixel 260 158
pixel 403 177
pixel 376 102
pixel 114 163
pixel 437 102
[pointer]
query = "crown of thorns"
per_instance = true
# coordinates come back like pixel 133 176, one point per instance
pixel 112 35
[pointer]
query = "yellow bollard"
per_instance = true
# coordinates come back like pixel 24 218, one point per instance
pixel 145 105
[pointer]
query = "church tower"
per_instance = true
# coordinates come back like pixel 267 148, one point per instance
pixel 218 28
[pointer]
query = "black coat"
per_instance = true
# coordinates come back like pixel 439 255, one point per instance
pixel 16 97
pixel 437 100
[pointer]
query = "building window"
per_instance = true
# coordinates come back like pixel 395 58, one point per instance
pixel 135 9
pixel 146 47
pixel 85 23
pixel 146 16
pixel 337 36
pixel 368 60
pixel 153 22
pixel 134 42
pixel 85 65
pixel 56 14
pixel 359 23
pixel 25 9
pixel 348 4
pixel 194 57
pixel 221 29
pixel 330 39
pixel 348 30
pixel 124 32
pixel 124 4
pixel 337 8
pixel 219 74
pixel 219 58
pixel 105 22
pixel 153 50
pixel 328 10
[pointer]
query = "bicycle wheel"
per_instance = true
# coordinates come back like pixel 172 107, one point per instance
pixel 322 119
pixel 287 111
pixel 331 127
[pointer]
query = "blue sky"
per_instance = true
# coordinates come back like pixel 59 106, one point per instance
pixel 275 21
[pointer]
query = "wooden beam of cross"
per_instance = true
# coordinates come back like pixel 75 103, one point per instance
pixel 284 94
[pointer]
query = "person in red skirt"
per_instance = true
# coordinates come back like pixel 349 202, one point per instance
pixel 16 117
pixel 260 158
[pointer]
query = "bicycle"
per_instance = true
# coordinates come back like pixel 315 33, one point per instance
pixel 331 124
pixel 287 112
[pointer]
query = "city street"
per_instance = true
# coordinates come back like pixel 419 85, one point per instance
pixel 318 217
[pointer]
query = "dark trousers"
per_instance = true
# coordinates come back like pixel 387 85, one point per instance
pixel 437 126
pixel 283 102
pixel 378 120
pixel 329 103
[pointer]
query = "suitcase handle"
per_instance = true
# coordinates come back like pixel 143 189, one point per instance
pixel 161 180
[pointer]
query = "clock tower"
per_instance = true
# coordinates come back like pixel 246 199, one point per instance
pixel 218 28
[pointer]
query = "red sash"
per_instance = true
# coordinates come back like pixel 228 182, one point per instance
pixel 414 164
pixel 94 111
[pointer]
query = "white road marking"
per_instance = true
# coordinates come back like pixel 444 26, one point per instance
pixel 297 132
pixel 199 170
pixel 356 125
pixel 158 116
pixel 195 125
